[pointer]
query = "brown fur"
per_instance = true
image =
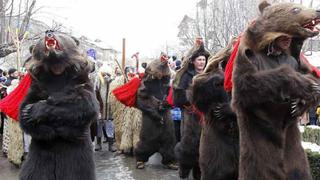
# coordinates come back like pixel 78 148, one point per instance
pixel 269 138
pixel 70 57
pixel 157 133
pixel 157 69
pixel 57 112
pixel 220 58
pixel 219 143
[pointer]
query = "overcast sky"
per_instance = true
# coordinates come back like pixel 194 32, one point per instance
pixel 147 25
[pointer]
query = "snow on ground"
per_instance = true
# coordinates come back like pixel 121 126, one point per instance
pixel 301 128
pixel 308 145
pixel 312 146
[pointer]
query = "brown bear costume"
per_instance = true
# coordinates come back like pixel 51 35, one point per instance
pixel 270 92
pixel 219 142
pixel 157 134
pixel 187 150
pixel 58 111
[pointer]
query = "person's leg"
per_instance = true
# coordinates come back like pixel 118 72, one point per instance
pixel 187 151
pixel 104 130
pixel 2 123
pixel 167 145
pixel 295 161
pixel 93 130
pixel 99 135
pixel 313 121
pixel 110 135
pixel 111 145
pixel 177 130
pixel 196 173
pixel 148 142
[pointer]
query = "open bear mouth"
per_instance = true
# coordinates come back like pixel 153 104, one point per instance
pixel 312 25
pixel 51 44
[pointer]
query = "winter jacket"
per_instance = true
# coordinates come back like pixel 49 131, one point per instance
pixel 179 94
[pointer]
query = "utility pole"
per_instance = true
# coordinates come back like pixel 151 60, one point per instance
pixel 123 53
pixel 123 64
pixel 167 49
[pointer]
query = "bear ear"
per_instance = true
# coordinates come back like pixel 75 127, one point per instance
pixel 31 48
pixel 263 4
pixel 144 65
pixel 76 40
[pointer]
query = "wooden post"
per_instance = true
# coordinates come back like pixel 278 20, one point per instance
pixel 123 54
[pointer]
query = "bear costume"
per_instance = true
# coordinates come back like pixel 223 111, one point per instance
pixel 187 150
pixel 58 111
pixel 157 133
pixel 219 142
pixel 270 92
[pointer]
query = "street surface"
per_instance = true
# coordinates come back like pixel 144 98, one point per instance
pixel 109 166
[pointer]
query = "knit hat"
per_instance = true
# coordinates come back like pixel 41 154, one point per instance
pixel 12 70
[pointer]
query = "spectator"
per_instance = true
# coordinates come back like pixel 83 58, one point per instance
pixel 178 65
pixel 313 116
pixel 13 74
pixel 2 77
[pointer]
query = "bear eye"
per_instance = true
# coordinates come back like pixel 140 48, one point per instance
pixel 295 10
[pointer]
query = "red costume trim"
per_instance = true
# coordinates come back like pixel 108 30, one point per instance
pixel 229 67
pixel 10 104
pixel 127 93
pixel 314 69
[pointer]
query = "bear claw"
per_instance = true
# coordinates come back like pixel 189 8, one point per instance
pixel 217 112
pixel 297 107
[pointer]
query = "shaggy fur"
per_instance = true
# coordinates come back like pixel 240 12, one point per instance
pixel 268 101
pixel 117 109
pixel 187 150
pixel 219 60
pixel 131 129
pixel 15 148
pixel 219 143
pixel 57 113
pixel 15 145
pixel 127 121
pixel 157 134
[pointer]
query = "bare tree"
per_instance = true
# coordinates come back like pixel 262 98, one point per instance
pixel 217 21
pixel 19 13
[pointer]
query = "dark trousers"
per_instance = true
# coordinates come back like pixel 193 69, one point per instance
pixel 177 130
pixel 156 137
pixel 313 120
pixel 98 129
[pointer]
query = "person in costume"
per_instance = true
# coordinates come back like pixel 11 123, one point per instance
pixel 270 76
pixel 187 151
pixel 157 133
pixel 102 91
pixel 126 118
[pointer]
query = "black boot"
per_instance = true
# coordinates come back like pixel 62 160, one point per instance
pixel 98 145
pixel 112 147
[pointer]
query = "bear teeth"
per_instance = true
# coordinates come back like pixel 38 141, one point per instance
pixel 50 45
pixel 313 22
